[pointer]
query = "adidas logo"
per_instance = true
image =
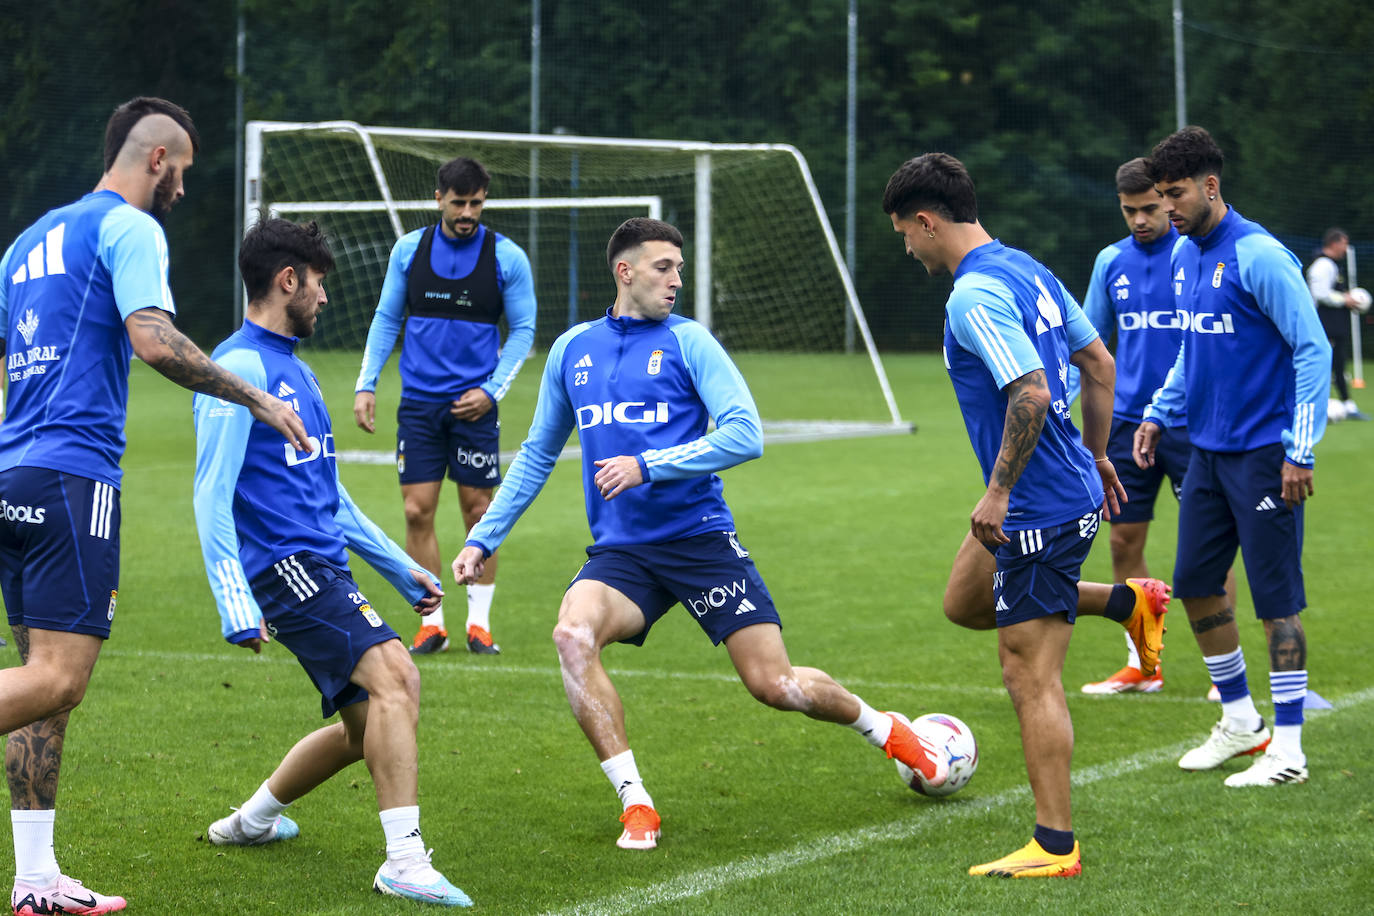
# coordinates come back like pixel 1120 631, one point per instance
pixel 1122 280
pixel 285 391
pixel 1002 604
pixel 1266 504
pixel 584 363
pixel 745 607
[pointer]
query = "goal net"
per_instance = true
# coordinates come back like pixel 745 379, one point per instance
pixel 764 272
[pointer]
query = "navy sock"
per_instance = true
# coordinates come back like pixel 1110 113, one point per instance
pixel 1055 842
pixel 1121 604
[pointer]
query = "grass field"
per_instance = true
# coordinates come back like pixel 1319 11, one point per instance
pixel 764 812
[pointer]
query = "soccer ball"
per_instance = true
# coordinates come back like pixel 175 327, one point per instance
pixel 955 740
pixel 1362 298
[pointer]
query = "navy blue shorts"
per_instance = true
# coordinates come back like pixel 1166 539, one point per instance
pixel 59 551
pixel 316 610
pixel 1038 571
pixel 431 442
pixel 1235 499
pixel 711 574
pixel 1142 484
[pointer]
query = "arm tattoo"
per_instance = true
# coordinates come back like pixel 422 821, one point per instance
pixel 1287 644
pixel 1219 619
pixel 185 363
pixel 33 754
pixel 1025 418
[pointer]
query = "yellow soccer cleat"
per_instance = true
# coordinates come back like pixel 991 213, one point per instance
pixel 1146 623
pixel 1031 861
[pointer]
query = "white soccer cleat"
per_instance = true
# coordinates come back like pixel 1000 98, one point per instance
pixel 1223 744
pixel 228 831
pixel 65 895
pixel 414 878
pixel 1269 769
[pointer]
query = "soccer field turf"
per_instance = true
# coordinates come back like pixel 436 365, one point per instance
pixel 764 812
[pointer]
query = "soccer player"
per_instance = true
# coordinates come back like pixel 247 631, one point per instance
pixel 273 529
pixel 1331 292
pixel 456 280
pixel 80 290
pixel 1011 332
pixel 1130 291
pixel 641 386
pixel 1253 373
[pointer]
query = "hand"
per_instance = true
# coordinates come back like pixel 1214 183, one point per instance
pixel 255 642
pixel 365 411
pixel 473 404
pixel 617 475
pixel 988 515
pixel 1297 485
pixel 1113 493
pixel 277 414
pixel 467 566
pixel 1143 443
pixel 435 596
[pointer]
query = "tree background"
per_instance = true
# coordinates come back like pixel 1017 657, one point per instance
pixel 1041 100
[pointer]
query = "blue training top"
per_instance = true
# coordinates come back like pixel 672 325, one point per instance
pixel 258 500
pixel 1130 290
pixel 443 357
pixel 1008 316
pixel 643 388
pixel 66 286
pixel 1254 367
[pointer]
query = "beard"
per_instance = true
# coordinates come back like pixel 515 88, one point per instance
pixel 301 313
pixel 164 194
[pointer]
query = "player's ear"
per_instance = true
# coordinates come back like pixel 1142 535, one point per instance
pixel 287 279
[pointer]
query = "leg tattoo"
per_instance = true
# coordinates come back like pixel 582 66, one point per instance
pixel 1219 619
pixel 1287 644
pixel 33 754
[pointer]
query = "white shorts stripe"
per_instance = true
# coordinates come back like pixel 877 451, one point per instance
pixel 295 576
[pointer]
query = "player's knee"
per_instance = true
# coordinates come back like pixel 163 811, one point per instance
pixel 398 685
pixel 575 641
pixel 418 514
pixel 782 692
pixel 66 690
pixel 1126 547
pixel 970 614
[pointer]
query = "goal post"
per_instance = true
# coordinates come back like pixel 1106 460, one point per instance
pixel 765 272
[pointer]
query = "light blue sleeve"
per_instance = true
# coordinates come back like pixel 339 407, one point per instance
pixel 738 436
pixel 1169 405
pixel 221 438
pixel 984 319
pixel 133 248
pixel 549 430
pixel 517 296
pixel 1077 327
pixel 1273 276
pixel 379 551
pixel 390 315
pixel 1097 304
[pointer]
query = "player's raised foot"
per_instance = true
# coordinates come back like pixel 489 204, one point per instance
pixel 429 640
pixel 1032 861
pixel 642 828
pixel 228 831
pixel 414 878
pixel 1223 744
pixel 65 895
pixel 479 642
pixel 1269 769
pixel 1128 680
pixel 1146 623
pixel 914 751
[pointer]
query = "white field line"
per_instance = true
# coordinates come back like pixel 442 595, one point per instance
pixel 936 817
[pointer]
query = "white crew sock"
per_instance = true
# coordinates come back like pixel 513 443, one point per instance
pixel 479 605
pixel 434 618
pixel 258 813
pixel 875 726
pixel 624 776
pixel 1132 654
pixel 402 829
pixel 34 859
